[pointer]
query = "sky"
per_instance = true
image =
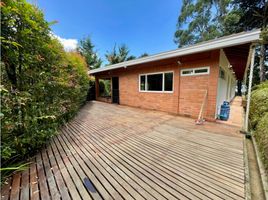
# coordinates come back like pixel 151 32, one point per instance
pixel 143 25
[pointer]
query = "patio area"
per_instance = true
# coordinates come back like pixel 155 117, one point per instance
pixel 117 152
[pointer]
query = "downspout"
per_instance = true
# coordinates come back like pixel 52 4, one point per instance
pixel 252 56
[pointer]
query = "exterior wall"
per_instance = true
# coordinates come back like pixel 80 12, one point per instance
pixel 193 88
pixel 226 85
pixel 188 92
pixel 130 95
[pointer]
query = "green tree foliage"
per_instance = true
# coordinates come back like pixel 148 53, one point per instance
pixel 144 55
pixel 200 20
pixel 86 49
pixel 119 55
pixel 41 85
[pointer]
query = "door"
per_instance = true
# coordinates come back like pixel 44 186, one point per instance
pixel 115 90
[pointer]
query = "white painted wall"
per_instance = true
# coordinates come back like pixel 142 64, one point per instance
pixel 226 84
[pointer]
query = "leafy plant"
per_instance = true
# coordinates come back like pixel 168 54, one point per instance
pixel 42 86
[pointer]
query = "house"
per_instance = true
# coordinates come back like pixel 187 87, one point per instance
pixel 177 81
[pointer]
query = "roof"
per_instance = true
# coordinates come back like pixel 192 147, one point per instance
pixel 222 42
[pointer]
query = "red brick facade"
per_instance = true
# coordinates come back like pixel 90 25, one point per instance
pixel 188 91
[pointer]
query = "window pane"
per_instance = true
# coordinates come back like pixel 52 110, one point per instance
pixel 198 71
pixel 187 72
pixel 142 82
pixel 155 82
pixel 168 81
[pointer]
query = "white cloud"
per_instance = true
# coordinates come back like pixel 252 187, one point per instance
pixel 68 44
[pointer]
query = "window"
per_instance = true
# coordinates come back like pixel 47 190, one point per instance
pixel 222 73
pixel 142 82
pixel 156 82
pixel 195 71
pixel 169 81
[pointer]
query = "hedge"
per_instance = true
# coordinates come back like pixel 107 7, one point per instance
pixel 259 119
pixel 42 86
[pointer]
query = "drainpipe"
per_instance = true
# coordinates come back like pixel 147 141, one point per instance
pixel 252 49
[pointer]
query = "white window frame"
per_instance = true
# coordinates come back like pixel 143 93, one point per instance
pixel 194 73
pixel 163 82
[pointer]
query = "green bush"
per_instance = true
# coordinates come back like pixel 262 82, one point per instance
pixel 259 103
pixel 42 86
pixel 261 135
pixel 105 87
pixel 259 119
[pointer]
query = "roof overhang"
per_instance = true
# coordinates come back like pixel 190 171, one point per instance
pixel 219 43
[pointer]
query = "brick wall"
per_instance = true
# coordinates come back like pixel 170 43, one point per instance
pixel 192 88
pixel 188 91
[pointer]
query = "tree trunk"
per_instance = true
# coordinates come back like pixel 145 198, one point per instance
pixel 262 70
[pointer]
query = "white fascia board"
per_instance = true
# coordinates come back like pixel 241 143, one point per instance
pixel 223 42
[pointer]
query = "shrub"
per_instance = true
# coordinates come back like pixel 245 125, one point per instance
pixel 259 103
pixel 261 135
pixel 42 86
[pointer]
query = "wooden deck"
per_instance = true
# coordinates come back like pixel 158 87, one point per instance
pixel 117 152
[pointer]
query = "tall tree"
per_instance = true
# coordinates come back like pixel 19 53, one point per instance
pixel 253 14
pixel 200 20
pixel 119 54
pixel 86 49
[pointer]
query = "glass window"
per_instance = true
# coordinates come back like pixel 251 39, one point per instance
pixel 200 71
pixel 187 72
pixel 155 82
pixel 169 81
pixel 195 71
pixel 222 74
pixel 142 82
pixel 161 82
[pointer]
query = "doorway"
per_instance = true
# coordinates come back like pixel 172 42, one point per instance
pixel 115 90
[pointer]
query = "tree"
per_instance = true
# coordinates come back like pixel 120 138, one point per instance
pixel 198 21
pixel 144 55
pixel 253 14
pixel 119 55
pixel 86 49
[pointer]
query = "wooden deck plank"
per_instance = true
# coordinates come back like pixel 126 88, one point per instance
pixel 158 147
pixel 25 189
pixel 15 187
pixel 34 189
pixel 93 173
pixel 124 174
pixel 53 190
pixel 42 180
pixel 118 152
pixel 5 190
pixel 162 169
pixel 58 175
pixel 78 167
pixel 78 183
pixel 59 156
pixel 146 174
pixel 179 188
pixel 103 173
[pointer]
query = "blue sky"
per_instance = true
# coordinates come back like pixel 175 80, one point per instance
pixel 143 25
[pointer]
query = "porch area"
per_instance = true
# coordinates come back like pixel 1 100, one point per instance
pixel 111 151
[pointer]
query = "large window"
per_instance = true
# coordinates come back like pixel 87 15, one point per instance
pixel 156 82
